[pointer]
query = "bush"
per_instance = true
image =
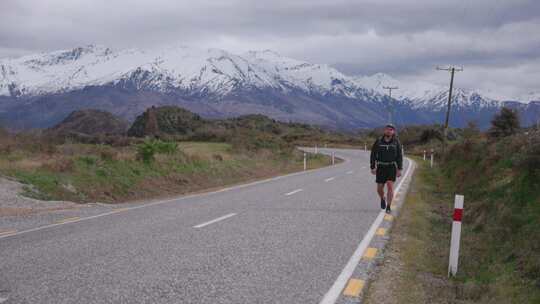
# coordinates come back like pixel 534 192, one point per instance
pixel 504 124
pixel 147 150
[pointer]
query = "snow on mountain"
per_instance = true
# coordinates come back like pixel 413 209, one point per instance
pixel 425 95
pixel 169 68
pixel 530 96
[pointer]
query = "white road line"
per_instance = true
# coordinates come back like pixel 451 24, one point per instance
pixel 215 220
pixel 293 192
pixel 333 294
pixel 329 179
pixel 145 205
pixel 350 172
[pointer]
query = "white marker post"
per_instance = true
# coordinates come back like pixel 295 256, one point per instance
pixel 365 147
pixel 456 235
pixel 333 158
pixel 305 161
pixel 431 162
pixel 424 154
pixel 316 150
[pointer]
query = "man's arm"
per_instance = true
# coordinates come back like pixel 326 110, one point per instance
pixel 399 159
pixel 372 158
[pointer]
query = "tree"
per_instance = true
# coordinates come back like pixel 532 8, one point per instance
pixel 151 127
pixel 504 124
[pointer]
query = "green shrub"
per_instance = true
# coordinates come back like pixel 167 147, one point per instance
pixel 504 124
pixel 149 148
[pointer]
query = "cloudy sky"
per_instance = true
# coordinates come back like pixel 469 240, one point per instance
pixel 496 41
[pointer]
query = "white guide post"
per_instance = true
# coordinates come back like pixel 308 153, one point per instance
pixel 431 162
pixel 316 150
pixel 424 154
pixel 305 161
pixel 333 158
pixel 365 147
pixel 456 235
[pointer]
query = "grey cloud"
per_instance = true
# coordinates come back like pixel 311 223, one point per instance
pixel 402 37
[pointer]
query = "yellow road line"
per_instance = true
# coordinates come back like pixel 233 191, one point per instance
pixel 69 219
pixel 388 217
pixel 381 231
pixel 370 253
pixel 6 232
pixel 354 287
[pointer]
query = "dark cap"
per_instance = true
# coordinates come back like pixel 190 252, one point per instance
pixel 390 126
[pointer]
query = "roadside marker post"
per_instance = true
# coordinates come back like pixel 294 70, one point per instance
pixel 456 235
pixel 305 161
pixel 424 154
pixel 333 158
pixel 431 162
pixel 365 147
pixel 316 150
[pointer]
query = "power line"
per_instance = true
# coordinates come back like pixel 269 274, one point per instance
pixel 452 70
pixel 389 107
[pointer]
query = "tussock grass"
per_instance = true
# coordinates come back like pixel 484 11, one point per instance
pixel 500 253
pixel 96 172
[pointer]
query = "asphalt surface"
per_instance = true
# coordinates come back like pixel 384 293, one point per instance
pixel 267 242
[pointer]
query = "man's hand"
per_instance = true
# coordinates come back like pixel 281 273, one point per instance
pixel 373 171
pixel 398 173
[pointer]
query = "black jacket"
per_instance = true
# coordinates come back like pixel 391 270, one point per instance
pixel 384 151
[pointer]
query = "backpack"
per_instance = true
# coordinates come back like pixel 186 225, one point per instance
pixel 398 144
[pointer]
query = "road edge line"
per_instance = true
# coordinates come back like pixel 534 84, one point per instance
pixel 334 292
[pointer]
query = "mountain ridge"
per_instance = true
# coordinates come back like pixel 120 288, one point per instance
pixel 215 83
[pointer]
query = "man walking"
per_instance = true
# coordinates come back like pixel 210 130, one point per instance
pixel 386 162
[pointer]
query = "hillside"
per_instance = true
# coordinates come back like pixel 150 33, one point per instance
pixel 90 122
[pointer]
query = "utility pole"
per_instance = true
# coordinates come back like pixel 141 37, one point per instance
pixel 389 107
pixel 452 70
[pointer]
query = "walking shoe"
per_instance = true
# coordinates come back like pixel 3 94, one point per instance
pixel 388 209
pixel 383 203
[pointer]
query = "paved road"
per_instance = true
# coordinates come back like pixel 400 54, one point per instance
pixel 281 241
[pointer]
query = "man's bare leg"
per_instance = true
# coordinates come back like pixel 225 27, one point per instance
pixel 380 190
pixel 389 192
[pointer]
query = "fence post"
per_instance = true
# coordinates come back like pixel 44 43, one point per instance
pixel 431 162
pixel 456 235
pixel 424 154
pixel 305 161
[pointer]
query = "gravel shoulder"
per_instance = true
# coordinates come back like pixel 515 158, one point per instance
pixel 13 203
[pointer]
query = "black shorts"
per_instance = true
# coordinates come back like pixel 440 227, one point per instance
pixel 385 173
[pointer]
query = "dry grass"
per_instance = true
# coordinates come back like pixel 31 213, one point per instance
pixel 416 259
pixel 95 172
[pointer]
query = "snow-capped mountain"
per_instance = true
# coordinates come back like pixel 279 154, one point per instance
pixel 41 89
pixel 427 96
pixel 191 70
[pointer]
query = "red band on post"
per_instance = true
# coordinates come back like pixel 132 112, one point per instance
pixel 458 214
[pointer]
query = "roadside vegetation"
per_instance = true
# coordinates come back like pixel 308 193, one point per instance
pixel 498 172
pixel 173 152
